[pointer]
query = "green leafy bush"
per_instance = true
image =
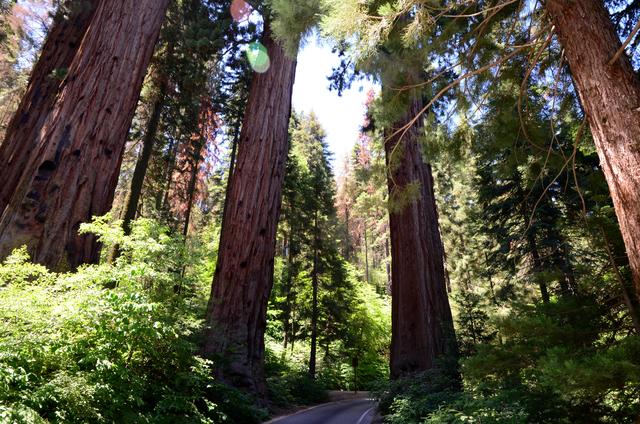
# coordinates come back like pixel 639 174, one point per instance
pixel 74 350
pixel 289 383
pixel 561 362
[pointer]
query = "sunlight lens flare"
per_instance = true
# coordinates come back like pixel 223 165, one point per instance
pixel 258 57
pixel 240 10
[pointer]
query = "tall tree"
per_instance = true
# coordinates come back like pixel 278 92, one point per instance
pixel 422 325
pixel 236 314
pixel 314 286
pixel 609 90
pixel 148 142
pixel 69 26
pixel 72 173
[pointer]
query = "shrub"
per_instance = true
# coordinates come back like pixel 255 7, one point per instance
pixel 74 351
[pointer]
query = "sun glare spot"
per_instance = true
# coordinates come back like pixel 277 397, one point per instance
pixel 258 57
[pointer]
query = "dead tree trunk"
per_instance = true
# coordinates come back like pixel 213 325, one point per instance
pixel 243 279
pixel 288 300
pixel 72 174
pixel 609 91
pixel 23 131
pixel 422 325
pixel 232 164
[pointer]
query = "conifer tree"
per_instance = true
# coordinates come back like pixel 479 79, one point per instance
pixel 236 313
pixel 608 88
pixel 70 23
pixel 314 286
pixel 422 324
pixel 243 279
pixel 72 173
pixel 593 50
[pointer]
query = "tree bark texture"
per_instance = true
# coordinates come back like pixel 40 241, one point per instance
pixel 610 96
pixel 72 173
pixel 422 325
pixel 23 130
pixel 243 279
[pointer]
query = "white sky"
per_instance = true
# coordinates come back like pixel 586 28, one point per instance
pixel 341 117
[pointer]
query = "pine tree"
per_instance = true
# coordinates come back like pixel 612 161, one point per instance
pixel 314 285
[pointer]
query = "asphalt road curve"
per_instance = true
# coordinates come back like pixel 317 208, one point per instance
pixel 359 411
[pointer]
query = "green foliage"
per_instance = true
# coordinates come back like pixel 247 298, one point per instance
pixel 72 350
pixel 353 318
pixel 18 269
pixel 473 325
pixel 559 355
pixel 289 382
pixel 549 364
pixel 410 399
pixel 293 21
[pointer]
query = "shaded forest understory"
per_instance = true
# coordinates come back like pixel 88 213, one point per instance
pixel 177 245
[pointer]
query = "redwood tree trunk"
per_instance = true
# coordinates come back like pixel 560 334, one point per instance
pixel 58 52
pixel 610 96
pixel 72 173
pixel 422 325
pixel 243 279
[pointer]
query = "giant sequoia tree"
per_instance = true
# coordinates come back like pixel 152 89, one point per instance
pixel 236 314
pixel 73 168
pixel 69 26
pixel 609 90
pixel 422 325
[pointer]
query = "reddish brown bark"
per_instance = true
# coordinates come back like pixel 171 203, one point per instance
pixel 244 274
pixel 58 52
pixel 422 325
pixel 610 96
pixel 72 173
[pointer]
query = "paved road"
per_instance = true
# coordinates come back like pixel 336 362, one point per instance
pixel 359 411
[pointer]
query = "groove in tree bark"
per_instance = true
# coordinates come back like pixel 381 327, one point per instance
pixel 72 174
pixel 610 96
pixel 422 325
pixel 243 278
pixel 23 130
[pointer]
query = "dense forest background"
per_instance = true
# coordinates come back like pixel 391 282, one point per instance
pixel 475 257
